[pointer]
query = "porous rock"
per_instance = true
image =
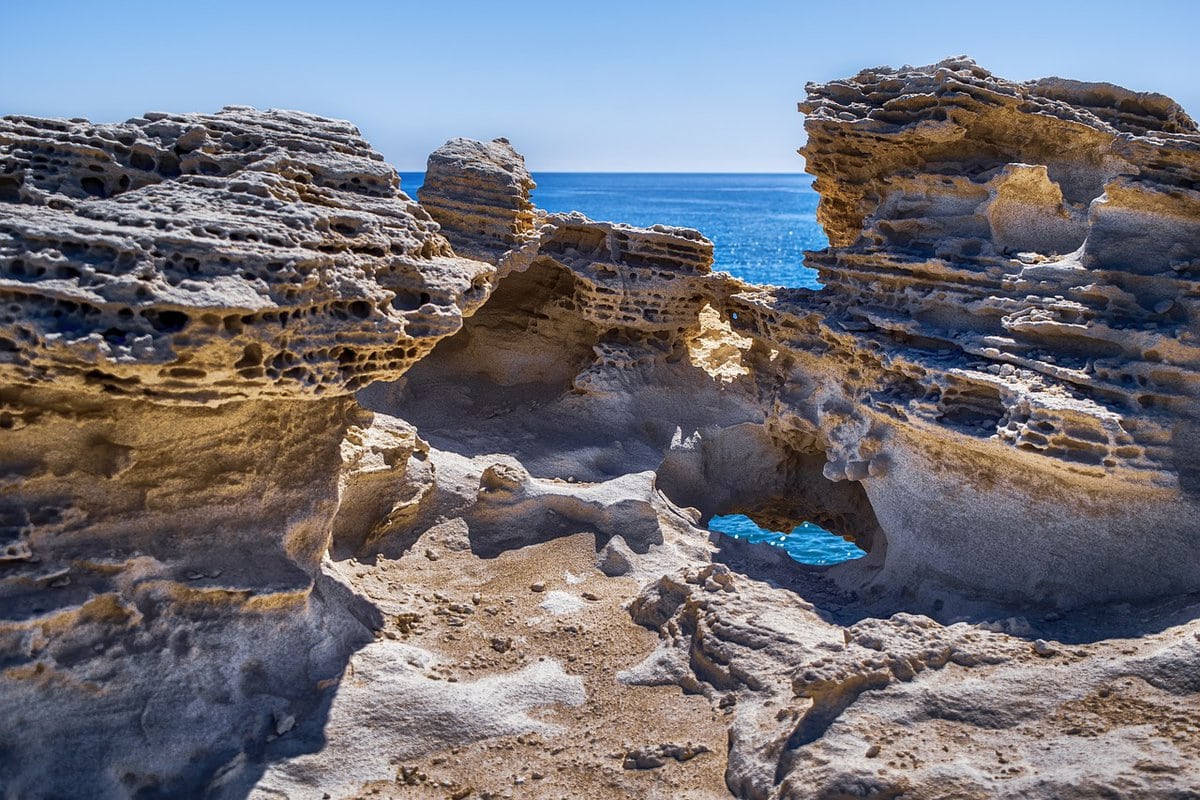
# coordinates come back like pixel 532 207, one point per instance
pixel 207 257
pixel 311 575
pixel 188 303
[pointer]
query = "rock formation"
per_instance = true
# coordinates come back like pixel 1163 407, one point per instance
pixel 315 491
pixel 479 193
pixel 189 302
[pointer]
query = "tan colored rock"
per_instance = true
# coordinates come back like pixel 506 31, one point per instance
pixel 479 194
pixel 1001 330
pixel 230 580
pixel 188 303
pixel 212 257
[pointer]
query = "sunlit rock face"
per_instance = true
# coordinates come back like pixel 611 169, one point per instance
pixel 187 304
pixel 479 193
pixel 1013 265
pixel 214 257
pixel 995 391
pixel 310 490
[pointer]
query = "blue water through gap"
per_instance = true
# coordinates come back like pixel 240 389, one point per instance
pixel 760 225
pixel 806 543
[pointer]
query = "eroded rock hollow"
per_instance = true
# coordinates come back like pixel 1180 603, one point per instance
pixel 314 490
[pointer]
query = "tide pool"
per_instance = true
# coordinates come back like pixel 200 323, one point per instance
pixel 806 543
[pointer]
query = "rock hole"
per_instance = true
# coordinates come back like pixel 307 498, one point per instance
pixel 251 357
pixel 10 189
pixel 93 186
pixel 140 160
pixel 769 486
pixel 166 321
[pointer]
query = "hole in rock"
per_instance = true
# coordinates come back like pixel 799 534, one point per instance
pixel 527 332
pixel 94 186
pixel 166 321
pixel 10 190
pixel 780 483
pixel 807 543
pixel 140 160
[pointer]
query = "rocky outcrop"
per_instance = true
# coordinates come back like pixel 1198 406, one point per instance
pixel 313 491
pixel 905 706
pixel 189 302
pixel 212 257
pixel 479 193
pixel 1011 263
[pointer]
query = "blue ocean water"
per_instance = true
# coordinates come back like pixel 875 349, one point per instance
pixel 760 225
pixel 807 543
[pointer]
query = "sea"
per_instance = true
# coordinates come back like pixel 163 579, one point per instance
pixel 760 226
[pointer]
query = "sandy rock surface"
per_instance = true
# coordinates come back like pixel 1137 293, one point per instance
pixel 313 491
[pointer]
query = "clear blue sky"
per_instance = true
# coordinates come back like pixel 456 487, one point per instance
pixel 639 86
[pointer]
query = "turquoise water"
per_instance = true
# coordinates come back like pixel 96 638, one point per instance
pixel 807 543
pixel 760 225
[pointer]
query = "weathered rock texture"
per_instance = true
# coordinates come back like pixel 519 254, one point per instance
pixel 479 193
pixel 188 303
pixel 1013 267
pixel 310 491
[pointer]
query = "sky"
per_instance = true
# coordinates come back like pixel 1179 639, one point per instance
pixel 642 86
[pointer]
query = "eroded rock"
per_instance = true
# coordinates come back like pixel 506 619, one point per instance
pixel 310 490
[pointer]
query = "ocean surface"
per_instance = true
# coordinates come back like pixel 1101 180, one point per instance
pixel 760 226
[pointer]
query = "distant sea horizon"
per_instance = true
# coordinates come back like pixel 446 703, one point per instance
pixel 760 223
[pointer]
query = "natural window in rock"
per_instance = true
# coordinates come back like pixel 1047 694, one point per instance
pixel 807 543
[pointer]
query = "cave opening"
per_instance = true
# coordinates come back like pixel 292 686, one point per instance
pixel 528 332
pixel 753 485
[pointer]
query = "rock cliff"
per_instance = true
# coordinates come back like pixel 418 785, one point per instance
pixel 312 490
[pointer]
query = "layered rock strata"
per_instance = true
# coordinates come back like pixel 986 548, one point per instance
pixel 1012 266
pixel 188 303
pixel 313 491
pixel 479 193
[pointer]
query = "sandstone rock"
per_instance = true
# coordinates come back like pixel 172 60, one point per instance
pixel 188 303
pixel 971 228
pixel 272 433
pixel 479 193
pixel 213 257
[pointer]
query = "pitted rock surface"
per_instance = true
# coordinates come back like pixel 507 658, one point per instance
pixel 309 491
pixel 479 194
pixel 203 258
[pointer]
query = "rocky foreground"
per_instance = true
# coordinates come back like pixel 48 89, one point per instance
pixel 312 490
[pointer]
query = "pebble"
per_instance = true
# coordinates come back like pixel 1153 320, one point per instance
pixel 537 587
pixel 1044 648
pixel 284 723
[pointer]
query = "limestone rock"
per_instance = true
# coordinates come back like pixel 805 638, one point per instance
pixel 479 193
pixel 309 492
pixel 987 259
pixel 209 257
pixel 188 303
